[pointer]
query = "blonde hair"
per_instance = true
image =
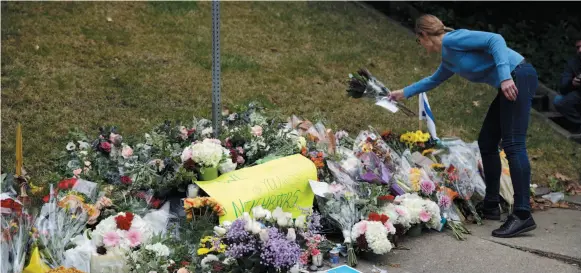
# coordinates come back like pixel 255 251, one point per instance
pixel 430 25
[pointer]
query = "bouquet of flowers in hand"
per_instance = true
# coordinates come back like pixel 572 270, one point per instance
pixel 363 84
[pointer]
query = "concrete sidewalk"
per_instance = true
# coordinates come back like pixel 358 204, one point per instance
pixel 556 242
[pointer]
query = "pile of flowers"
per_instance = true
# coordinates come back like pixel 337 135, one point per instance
pixel 109 203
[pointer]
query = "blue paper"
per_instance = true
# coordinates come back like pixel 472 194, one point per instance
pixel 343 269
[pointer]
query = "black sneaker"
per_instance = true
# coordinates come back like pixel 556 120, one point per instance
pixel 488 212
pixel 514 226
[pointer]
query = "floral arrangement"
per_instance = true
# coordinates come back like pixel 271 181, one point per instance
pixel 371 235
pixel 153 257
pixel 421 211
pixel 120 233
pixel 195 206
pixel 207 153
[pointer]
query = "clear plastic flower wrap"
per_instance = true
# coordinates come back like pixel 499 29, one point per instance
pixel 88 188
pixel 463 157
pixel 16 227
pixel 349 162
pixel 56 227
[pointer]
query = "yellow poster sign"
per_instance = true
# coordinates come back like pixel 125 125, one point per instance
pixel 281 183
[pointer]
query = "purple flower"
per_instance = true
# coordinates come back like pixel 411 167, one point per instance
pixel 314 225
pixel 427 187
pixel 278 252
pixel 445 201
pixel 240 242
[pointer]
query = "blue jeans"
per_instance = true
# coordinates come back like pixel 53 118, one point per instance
pixel 506 123
pixel 569 106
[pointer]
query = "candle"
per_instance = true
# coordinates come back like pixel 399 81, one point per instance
pixel 19 150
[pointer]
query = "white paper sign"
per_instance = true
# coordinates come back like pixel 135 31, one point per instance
pixel 319 188
pixel 387 104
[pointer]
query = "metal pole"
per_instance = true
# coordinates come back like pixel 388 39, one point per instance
pixel 216 96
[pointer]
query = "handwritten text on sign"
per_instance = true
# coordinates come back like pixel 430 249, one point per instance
pixel 281 183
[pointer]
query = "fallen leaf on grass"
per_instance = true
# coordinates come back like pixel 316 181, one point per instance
pixel 395 265
pixel 476 103
pixel 109 19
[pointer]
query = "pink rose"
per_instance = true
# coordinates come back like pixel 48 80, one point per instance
pixel 106 146
pixel 134 238
pixel 111 239
pixel 425 216
pixel 126 152
pixel 183 270
pixel 240 160
pixel 240 150
pixel 256 130
pixel 362 228
pixel 77 172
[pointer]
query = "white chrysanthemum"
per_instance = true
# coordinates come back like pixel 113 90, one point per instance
pixel 376 237
pixel 159 249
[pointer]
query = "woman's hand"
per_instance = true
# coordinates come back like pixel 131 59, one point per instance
pixel 396 95
pixel 509 89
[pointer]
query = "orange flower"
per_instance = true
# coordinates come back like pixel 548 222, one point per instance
pixel 304 151
pixel 451 193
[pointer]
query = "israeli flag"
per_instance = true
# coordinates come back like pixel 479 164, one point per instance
pixel 426 113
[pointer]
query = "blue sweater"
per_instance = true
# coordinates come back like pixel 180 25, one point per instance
pixel 477 56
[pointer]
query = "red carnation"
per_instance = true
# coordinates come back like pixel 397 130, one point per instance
pixel 191 131
pixel 67 184
pixel 374 217
pixel 106 146
pixel 46 198
pixel 384 218
pixel 155 203
pixel 124 222
pixel 126 180
pixel 185 263
pixel 388 198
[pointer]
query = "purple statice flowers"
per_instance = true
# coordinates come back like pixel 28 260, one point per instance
pixel 278 252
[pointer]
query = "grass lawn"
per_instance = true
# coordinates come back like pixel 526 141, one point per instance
pixel 135 64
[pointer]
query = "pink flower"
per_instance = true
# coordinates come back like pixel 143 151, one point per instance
pixel 362 228
pixel 214 140
pixel 425 216
pixel 427 187
pixel 400 211
pixel 256 130
pixel 240 150
pixel 240 160
pixel 126 152
pixel 389 226
pixel 77 172
pixel 183 270
pixel 134 238
pixel 445 201
pixel 111 239
pixel 186 154
pixel 184 132
pixel 115 139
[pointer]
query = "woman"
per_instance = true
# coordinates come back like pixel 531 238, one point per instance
pixel 483 57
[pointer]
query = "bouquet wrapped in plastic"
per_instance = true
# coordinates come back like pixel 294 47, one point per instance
pixel 16 225
pixel 363 84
